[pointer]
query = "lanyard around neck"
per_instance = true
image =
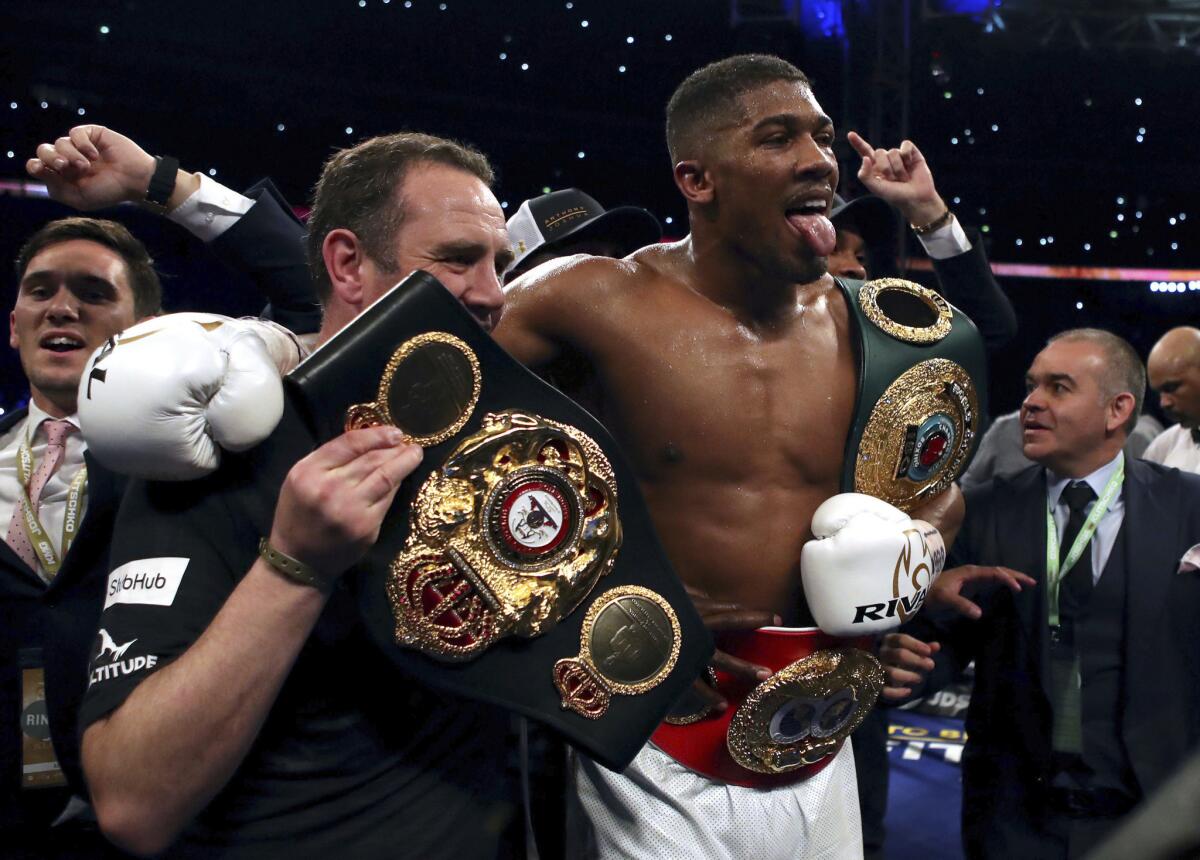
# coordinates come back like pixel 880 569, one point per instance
pixel 1055 573
pixel 38 538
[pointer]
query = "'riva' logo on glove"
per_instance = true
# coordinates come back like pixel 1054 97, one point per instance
pixel 921 559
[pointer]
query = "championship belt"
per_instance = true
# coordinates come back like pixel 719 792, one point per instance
pixel 517 565
pixel 786 728
pixel 922 387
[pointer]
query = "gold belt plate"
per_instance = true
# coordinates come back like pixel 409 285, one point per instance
pixel 803 712
pixel 918 435
pixel 508 536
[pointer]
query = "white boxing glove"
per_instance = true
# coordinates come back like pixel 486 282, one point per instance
pixel 162 398
pixel 869 566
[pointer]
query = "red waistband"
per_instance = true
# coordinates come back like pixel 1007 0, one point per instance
pixel 701 745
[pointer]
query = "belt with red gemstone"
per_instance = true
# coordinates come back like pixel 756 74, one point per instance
pixel 922 389
pixel 786 728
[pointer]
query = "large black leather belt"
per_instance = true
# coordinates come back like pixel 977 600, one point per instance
pixel 922 389
pixel 517 565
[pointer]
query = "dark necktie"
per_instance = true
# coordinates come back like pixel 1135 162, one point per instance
pixel 1076 587
pixel 1073 593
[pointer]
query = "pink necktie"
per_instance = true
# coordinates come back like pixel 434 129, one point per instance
pixel 18 536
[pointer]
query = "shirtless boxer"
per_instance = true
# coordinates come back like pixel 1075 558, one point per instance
pixel 703 352
pixel 726 370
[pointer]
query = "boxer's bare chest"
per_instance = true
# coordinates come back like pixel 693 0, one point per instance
pixel 737 431
pixel 691 389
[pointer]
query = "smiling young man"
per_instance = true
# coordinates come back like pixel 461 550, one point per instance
pixel 1080 707
pixel 724 365
pixel 79 281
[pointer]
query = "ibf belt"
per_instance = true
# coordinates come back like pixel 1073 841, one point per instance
pixel 922 384
pixel 786 728
pixel 517 565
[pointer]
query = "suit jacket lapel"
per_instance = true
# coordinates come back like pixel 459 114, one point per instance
pixel 103 495
pixel 1150 555
pixel 8 558
pixel 17 565
pixel 1021 521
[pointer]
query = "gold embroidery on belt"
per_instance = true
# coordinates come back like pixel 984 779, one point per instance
pixel 803 712
pixel 508 536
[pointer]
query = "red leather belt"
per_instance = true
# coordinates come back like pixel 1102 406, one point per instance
pixel 786 728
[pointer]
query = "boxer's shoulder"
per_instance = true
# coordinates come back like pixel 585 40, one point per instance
pixel 577 283
pixel 825 295
pixel 567 274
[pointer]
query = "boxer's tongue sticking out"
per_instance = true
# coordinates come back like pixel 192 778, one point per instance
pixel 810 221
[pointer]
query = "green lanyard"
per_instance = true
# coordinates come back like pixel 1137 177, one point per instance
pixel 33 526
pixel 1055 574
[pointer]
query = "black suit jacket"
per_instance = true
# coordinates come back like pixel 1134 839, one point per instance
pixel 1007 760
pixel 967 282
pixel 267 243
pixel 61 619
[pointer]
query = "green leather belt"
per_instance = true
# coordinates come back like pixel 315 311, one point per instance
pixel 922 389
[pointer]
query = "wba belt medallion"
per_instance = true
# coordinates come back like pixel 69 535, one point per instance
pixel 509 535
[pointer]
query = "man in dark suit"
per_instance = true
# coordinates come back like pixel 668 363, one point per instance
pixel 1086 684
pixel 80 281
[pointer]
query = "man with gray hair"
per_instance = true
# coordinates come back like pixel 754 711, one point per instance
pixel 1174 368
pixel 1002 451
pixel 1080 708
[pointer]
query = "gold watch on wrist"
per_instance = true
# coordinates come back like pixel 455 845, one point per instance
pixel 936 224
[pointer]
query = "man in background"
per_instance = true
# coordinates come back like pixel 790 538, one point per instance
pixel 1067 729
pixel 1174 370
pixel 80 281
pixel 568 222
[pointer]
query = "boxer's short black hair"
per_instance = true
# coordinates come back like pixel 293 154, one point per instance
pixel 710 94
pixel 359 191
pixel 143 280
pixel 1123 368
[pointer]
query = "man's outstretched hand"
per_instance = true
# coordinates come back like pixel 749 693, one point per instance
pixel 906 661
pixel 946 591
